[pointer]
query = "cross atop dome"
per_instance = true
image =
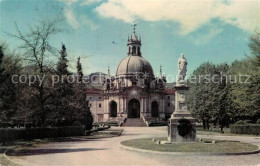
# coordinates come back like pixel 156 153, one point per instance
pixel 134 25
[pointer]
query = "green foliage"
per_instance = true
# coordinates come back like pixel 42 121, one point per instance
pixel 81 105
pixel 242 122
pixel 207 100
pixel 10 64
pixel 63 112
pixel 62 66
pixel 41 104
pixel 254 45
pixel 236 97
pixel 11 134
pixel 245 129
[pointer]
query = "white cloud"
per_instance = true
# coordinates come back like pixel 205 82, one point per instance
pixel 71 19
pixel 190 14
pixel 89 2
pixel 243 14
pixel 83 2
pixel 74 21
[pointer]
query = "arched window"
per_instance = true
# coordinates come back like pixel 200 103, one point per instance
pixel 129 50
pixel 138 50
pixel 155 111
pixel 134 50
pixel 113 109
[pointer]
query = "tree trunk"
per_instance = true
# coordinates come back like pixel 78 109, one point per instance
pixel 204 124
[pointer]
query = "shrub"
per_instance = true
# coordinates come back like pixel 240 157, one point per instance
pixel 242 122
pixel 11 134
pixel 258 121
pixel 76 123
pixel 245 129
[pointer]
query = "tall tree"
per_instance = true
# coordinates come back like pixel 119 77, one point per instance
pixel 37 52
pixel 62 67
pixel 254 45
pixel 2 75
pixel 10 65
pixel 64 113
pixel 82 106
pixel 207 97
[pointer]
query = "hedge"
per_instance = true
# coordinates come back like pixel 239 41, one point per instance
pixel 11 134
pixel 245 129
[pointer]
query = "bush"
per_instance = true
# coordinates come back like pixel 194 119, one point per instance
pixel 245 129
pixel 258 121
pixel 76 123
pixel 242 122
pixel 11 134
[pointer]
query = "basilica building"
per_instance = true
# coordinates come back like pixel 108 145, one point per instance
pixel 134 93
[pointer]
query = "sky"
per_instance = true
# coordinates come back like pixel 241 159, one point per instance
pixel 214 31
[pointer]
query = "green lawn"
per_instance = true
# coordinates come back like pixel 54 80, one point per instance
pixel 218 147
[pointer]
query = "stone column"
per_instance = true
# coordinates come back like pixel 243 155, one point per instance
pixel 142 107
pixel 182 125
pixel 106 108
pixel 125 107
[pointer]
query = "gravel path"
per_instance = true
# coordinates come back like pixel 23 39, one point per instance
pixel 108 152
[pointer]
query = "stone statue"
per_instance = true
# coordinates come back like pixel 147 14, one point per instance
pixel 182 69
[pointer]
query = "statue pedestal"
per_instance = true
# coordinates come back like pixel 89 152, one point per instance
pixel 182 126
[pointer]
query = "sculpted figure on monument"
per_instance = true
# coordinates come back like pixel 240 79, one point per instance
pixel 182 69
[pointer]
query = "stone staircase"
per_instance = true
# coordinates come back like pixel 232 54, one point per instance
pixel 134 122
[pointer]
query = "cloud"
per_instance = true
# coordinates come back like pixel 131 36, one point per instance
pixel 189 14
pixel 83 2
pixel 71 19
pixel 69 2
pixel 243 14
pixel 89 2
pixel 74 21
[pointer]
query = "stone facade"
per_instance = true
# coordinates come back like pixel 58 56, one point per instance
pixel 134 92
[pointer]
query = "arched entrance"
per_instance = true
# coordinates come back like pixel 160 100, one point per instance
pixel 133 109
pixel 113 109
pixel 155 111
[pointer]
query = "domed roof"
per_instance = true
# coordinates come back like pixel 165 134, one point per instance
pixel 134 64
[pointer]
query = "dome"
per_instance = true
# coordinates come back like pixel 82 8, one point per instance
pixel 134 64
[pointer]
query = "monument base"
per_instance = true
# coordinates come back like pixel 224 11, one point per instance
pixel 182 127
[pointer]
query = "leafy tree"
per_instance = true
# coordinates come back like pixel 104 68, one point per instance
pixel 236 97
pixel 254 45
pixel 9 91
pixel 207 97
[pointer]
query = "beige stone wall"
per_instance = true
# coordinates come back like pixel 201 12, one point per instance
pixel 96 103
pixel 100 104
pixel 169 103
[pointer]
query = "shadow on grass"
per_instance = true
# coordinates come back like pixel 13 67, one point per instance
pixel 30 152
pixel 3 149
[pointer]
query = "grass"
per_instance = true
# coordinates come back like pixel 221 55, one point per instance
pixel 217 132
pixel 218 147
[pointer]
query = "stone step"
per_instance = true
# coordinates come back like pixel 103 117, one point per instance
pixel 134 122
